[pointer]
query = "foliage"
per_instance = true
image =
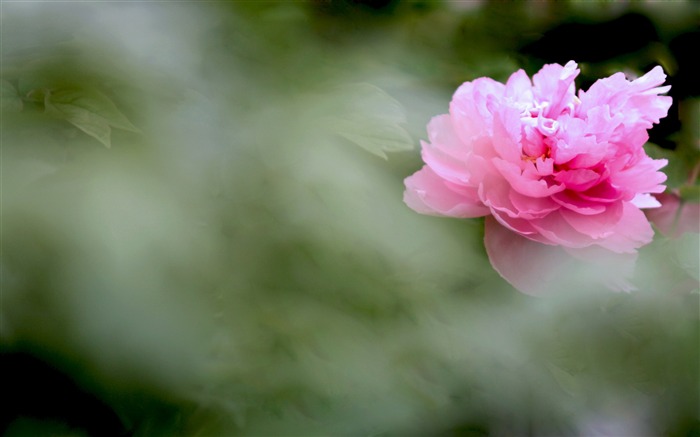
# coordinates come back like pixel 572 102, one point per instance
pixel 236 263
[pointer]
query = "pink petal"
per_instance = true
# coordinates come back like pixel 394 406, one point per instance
pixel 537 269
pixel 555 84
pixel 506 134
pixel 572 201
pixel 573 142
pixel 632 231
pixel 532 207
pixel 427 193
pixel 519 87
pixel 642 176
pixel 519 226
pixel 557 230
pixel 468 108
pixel 446 154
pixel 645 201
pixel 595 226
pixel 498 195
pixel 525 183
pixel 637 101
pixel 494 192
pixel 604 192
pixel 578 179
pixel 526 265
pixel 442 135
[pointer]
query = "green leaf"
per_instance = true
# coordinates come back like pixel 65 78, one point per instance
pixel 368 117
pixel 9 99
pixel 568 382
pixel 690 193
pixel 686 252
pixel 94 102
pixel 88 110
pixel 85 120
pixel 374 136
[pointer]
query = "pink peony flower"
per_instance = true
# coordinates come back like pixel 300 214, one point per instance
pixel 557 174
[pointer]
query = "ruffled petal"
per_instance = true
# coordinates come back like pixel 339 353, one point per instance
pixel 533 207
pixel 645 201
pixel 506 135
pixel 427 193
pixel 446 155
pixel 642 176
pixel 578 179
pixel 555 84
pixel 558 230
pixel 524 183
pixel 525 264
pixel 604 192
pixel 519 87
pixel 537 269
pixel 637 101
pixel 632 231
pixel 572 201
pixel 596 226
pixel 469 108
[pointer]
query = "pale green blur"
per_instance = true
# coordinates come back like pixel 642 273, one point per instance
pixel 244 257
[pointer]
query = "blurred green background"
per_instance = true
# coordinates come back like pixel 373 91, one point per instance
pixel 203 230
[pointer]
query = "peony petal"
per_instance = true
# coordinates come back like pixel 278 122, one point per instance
pixel 532 207
pixel 446 154
pixel 645 201
pixel 520 226
pixel 494 192
pixel 637 102
pixel 526 265
pixel 572 201
pixel 442 135
pixel 427 193
pixel 444 165
pixel 595 226
pixel 522 182
pixel 519 87
pixel 641 176
pixel 468 108
pixel 578 179
pixel 574 142
pixel 555 84
pixel 506 134
pixel 558 231
pixel 498 195
pixel 604 192
pixel 632 231
pixel 537 269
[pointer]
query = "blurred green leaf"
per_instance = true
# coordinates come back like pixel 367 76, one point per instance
pixel 690 193
pixel 374 136
pixel 94 102
pixel 686 251
pixel 11 101
pixel 370 118
pixel 89 122
pixel 566 381
pixel 88 110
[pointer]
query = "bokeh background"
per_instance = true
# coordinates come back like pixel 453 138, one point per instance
pixel 203 230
